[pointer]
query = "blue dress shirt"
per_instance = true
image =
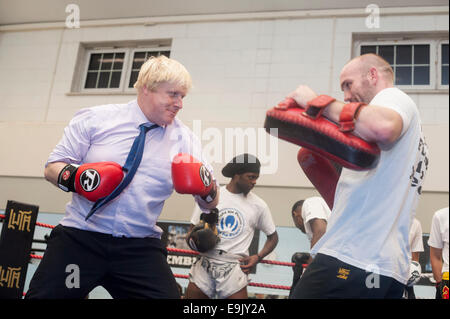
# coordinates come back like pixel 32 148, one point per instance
pixel 106 133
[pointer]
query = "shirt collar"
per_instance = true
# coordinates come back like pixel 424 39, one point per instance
pixel 138 115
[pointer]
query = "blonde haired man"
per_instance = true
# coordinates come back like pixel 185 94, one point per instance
pixel 118 245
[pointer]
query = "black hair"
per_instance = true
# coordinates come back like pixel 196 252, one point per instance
pixel 297 204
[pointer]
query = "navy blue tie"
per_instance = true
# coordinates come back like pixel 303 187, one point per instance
pixel 131 164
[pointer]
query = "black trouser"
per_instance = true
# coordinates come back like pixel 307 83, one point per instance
pixel 77 261
pixel 328 277
pixel 409 293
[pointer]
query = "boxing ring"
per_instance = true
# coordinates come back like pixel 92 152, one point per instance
pixel 273 286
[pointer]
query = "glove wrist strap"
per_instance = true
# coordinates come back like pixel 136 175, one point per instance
pixel 211 195
pixel 66 178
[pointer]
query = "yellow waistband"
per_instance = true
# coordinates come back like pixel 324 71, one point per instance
pixel 445 276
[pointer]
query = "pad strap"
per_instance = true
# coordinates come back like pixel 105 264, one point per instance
pixel 348 116
pixel 316 106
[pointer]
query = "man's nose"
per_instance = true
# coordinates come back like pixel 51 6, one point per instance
pixel 347 96
pixel 178 102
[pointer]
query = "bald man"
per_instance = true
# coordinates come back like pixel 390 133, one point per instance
pixel 365 252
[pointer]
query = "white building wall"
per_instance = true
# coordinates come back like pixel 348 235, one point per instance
pixel 241 66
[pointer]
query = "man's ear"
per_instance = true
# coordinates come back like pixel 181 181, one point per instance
pixel 373 75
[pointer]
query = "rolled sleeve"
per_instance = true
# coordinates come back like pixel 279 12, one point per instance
pixel 75 141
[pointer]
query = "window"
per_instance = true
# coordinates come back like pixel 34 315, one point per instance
pixel 139 57
pixel 420 63
pixel 410 62
pixel 115 69
pixel 104 70
pixel 443 81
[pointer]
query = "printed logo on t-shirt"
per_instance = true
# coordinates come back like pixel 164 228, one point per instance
pixel 231 223
pixel 419 170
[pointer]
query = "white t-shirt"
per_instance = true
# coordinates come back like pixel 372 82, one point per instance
pixel 439 235
pixel 373 209
pixel 415 236
pixel 314 207
pixel 239 216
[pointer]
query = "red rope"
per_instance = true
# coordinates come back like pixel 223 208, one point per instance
pixel 279 263
pixel 45 225
pixel 254 284
pixel 270 262
pixel 183 251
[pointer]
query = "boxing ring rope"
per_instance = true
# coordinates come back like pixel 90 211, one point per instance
pixel 191 252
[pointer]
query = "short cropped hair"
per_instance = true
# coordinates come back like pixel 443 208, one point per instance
pixel 157 70
pixel 371 59
pixel 296 205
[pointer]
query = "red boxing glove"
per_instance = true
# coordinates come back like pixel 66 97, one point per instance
pixel 190 176
pixel 92 181
pixel 321 172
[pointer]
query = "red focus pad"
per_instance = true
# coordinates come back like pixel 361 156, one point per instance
pixel 96 180
pixel 321 136
pixel 320 172
pixel 190 176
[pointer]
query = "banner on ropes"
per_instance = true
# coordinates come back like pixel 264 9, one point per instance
pixel 15 244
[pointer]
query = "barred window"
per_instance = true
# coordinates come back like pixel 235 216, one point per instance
pixel 115 69
pixel 104 70
pixel 139 57
pixel 419 62
pixel 444 64
pixel 410 62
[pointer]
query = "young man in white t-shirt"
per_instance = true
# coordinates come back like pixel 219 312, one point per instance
pixel 223 271
pixel 438 242
pixel 416 245
pixel 365 251
pixel 310 216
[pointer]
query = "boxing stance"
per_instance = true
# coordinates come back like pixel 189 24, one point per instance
pixel 222 270
pixel 365 252
pixel 117 245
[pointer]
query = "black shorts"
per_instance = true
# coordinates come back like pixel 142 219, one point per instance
pixel 329 278
pixel 76 261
